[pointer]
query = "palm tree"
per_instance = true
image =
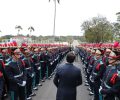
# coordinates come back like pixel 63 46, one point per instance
pixel 54 18
pixel 19 28
pixel 31 29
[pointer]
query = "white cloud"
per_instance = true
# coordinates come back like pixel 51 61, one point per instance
pixel 40 14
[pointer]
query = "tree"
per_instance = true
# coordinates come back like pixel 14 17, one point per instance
pixel 98 29
pixel 116 29
pixel 19 28
pixel 31 29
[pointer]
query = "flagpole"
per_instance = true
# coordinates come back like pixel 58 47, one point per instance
pixel 54 21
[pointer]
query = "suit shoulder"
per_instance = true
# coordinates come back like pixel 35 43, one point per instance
pixel 77 69
pixel 60 67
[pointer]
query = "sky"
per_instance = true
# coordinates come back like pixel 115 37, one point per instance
pixel 40 14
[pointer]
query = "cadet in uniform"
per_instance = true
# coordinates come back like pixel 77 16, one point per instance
pixel 2 80
pixel 37 67
pixel 16 74
pixel 110 86
pixel 29 66
pixel 97 73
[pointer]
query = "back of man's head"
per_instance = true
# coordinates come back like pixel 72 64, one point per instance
pixel 70 57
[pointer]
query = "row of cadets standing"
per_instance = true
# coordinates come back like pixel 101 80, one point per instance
pixel 104 74
pixel 19 71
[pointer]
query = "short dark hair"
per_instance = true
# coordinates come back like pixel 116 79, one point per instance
pixel 70 57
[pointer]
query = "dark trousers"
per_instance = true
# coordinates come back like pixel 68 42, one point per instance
pixel 1 88
pixel 96 89
pixel 109 97
pixel 29 86
pixel 49 70
pixel 91 86
pixel 19 94
pixel 37 77
pixel 43 69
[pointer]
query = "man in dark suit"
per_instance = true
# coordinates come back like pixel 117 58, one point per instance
pixel 67 78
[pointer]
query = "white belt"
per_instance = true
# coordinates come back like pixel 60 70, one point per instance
pixel 91 79
pixel 37 64
pixel 28 68
pixel 41 61
pixel 94 73
pixel 107 85
pixel 16 76
pixel 90 65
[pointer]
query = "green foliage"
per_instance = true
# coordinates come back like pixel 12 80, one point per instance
pixel 47 39
pixel 98 29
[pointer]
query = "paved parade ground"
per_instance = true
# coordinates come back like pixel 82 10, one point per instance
pixel 48 90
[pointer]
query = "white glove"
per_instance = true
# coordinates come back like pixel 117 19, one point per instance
pixel 32 75
pixel 23 83
pixel 51 63
pixel 87 71
pixel 100 89
pixel 38 68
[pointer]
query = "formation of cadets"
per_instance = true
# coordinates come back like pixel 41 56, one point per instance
pixel 102 71
pixel 24 69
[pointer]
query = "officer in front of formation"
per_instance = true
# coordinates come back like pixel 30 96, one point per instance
pixel 16 73
pixel 110 87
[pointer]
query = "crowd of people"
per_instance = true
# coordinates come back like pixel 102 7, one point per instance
pixel 102 71
pixel 24 69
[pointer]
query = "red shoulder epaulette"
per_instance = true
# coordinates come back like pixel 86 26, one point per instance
pixel 3 64
pixel 92 62
pixel 89 57
pixel 1 74
pixel 31 59
pixel 23 63
pixel 113 79
pixel 98 67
